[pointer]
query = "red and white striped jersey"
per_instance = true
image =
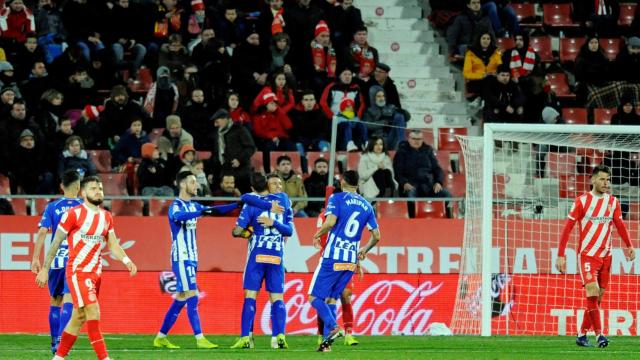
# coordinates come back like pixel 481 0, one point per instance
pixel 87 232
pixel 595 216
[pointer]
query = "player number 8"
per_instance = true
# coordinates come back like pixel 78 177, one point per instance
pixel 587 267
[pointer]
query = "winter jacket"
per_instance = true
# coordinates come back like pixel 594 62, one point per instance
pixel 418 167
pixel 390 89
pixel 626 66
pixel 475 69
pixel 592 67
pixel 286 102
pixel 465 28
pixel 128 146
pixel 80 162
pixel 368 165
pixel 267 125
pixel 160 177
pixel 294 187
pixel 176 143
pixel 309 124
pixel 238 144
pixel 27 168
pixel 196 119
pixel 116 118
pixel 16 25
pixel 335 92
pixel 381 115
pixel 498 97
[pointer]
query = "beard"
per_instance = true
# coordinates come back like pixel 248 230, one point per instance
pixel 96 202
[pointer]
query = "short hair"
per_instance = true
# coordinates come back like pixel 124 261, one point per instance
pixel 90 179
pixel 182 175
pixel 359 28
pixel 69 177
pixel 73 138
pixel 601 168
pixel 282 158
pixel 307 92
pixel 18 102
pixel 259 182
pixel 373 141
pixel 351 177
pixel 225 174
pixel 320 160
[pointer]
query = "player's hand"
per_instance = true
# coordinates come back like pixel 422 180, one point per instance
pixel 561 264
pixel 360 271
pixel 265 220
pixel 631 254
pixel 133 269
pixel 42 278
pixel 210 212
pixel 35 266
pixel 362 254
pixel 316 242
pixel 276 208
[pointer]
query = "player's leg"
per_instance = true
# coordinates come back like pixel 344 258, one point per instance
pixel 274 283
pixel 347 316
pixel 251 283
pixel 604 275
pixel 322 282
pixel 170 318
pixel 70 333
pixel 92 312
pixel 588 270
pixel 67 307
pixel 56 284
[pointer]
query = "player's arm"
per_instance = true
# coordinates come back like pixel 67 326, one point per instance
pixel 284 229
pixel 375 238
pixel 328 224
pixel 240 232
pixel 256 201
pixel 623 232
pixel 43 274
pixel 37 249
pixel 572 218
pixel 118 252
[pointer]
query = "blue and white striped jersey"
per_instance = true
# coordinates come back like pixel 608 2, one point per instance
pixel 183 217
pixel 50 220
pixel 267 240
pixel 352 212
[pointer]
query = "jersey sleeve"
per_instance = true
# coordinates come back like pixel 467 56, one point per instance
pixel 575 214
pixel 178 213
pixel 46 221
pixel 620 225
pixel 372 222
pixel 332 207
pixel 67 221
pixel 244 219
pixel 109 218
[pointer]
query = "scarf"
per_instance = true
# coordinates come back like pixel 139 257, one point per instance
pixel 277 25
pixel 516 66
pixel 324 62
pixel 364 57
pixel 221 145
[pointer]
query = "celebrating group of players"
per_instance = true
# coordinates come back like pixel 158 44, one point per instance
pixel 72 268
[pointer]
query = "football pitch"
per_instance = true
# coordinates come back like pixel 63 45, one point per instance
pixel 16 347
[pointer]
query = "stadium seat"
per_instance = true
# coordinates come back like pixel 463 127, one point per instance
pixel 19 206
pixel 126 207
pixel 634 212
pixel 560 85
pixel 256 162
pixel 505 44
pixel 114 184
pixel 611 47
pixel 561 164
pixel 590 157
pixel 295 160
pixel 155 134
pixel 431 210
pixel 603 116
pixel 575 115
pixel 569 49
pixel 572 185
pixel 391 209
pixel 542 46
pixel 5 187
pixel 203 155
pixel 312 156
pixel 526 14
pixel 159 207
pixel 447 138
pixel 456 184
pixel 444 160
pixel 40 205
pixel 143 82
pixel 627 14
pixel 353 159
pixel 558 16
pixel 102 160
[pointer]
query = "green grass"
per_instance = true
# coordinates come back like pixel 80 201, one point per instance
pixel 121 347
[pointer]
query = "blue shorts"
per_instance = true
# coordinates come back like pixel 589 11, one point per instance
pixel 329 279
pixel 269 268
pixel 185 272
pixel 57 282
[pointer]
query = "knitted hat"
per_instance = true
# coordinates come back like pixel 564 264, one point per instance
pixel 7 88
pixel 147 150
pixel 197 5
pixel 346 102
pixel 550 115
pixel 269 97
pixel 26 133
pixel 93 112
pixel 163 71
pixel 185 149
pixel 321 27
pixel 5 66
pixel 173 120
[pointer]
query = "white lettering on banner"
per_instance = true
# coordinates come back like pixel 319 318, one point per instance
pixel 562 315
pixel 446 265
pixel 392 253
pixel 525 256
pixel 419 260
pixel 570 257
pixel 410 318
pixel 619 322
pixel 620 264
pixel 12 244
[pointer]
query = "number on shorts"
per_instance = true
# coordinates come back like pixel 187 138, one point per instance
pixel 352 225
pixel 587 267
pixel 88 283
pixel 191 271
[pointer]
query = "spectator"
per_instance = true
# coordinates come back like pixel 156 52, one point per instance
pixel 11 126
pixel 65 65
pixel 293 185
pixel 352 133
pixel 522 58
pixel 310 127
pixel 190 81
pixel 227 188
pixel 320 67
pixel 29 169
pixel 213 62
pixel 272 20
pixel 197 22
pixel 598 17
pixel 592 68
pixel 271 128
pixel 37 83
pixel 26 56
pixel 249 66
pixel 231 30
pixel 62 134
pixel 118 113
pixel 81 19
pixel 176 135
pixel 341 88
pixel 316 185
pixel 237 113
pixel 500 12
pixel 197 168
pixel 381 78
pixel 187 157
pixel 127 150
pixel 481 59
pixel 50 112
pixel 154 179
pixel 88 127
pixel 78 89
pixel 628 61
pixel 196 119
pixel 125 31
pixel 417 171
pixel 503 99
pixel 231 152
pixel 384 120
pixel 362 56
pixel 280 47
pixel 466 28
pixel 48 19
pixel 8 78
pixel 162 99
pixel 284 94
pixel 173 54
pixel 103 71
pixel 16 21
pixel 7 97
pixel 74 157
pixel 303 18
pixel 376 171
pixel 344 19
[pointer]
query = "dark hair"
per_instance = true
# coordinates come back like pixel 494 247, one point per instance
pixel 225 174
pixel 181 176
pixel 306 92
pixel 71 139
pixel 319 160
pixel 351 177
pixel 282 158
pixel 69 177
pixel 373 141
pixel 601 168
pixel 285 88
pixel 359 28
pixel 17 101
pixel 90 179
pixel 259 182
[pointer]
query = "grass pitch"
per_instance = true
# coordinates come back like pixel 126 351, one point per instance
pixel 130 347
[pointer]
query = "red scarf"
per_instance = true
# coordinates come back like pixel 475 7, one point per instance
pixel 324 61
pixel 364 57
pixel 277 25
pixel 516 66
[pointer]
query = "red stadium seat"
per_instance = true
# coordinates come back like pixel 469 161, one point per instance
pixel 542 46
pixel 114 184
pixel 634 212
pixel 392 209
pixel 611 47
pixel 526 14
pixel 603 116
pixel 444 160
pixel 102 160
pixel 295 160
pixel 627 14
pixel 40 205
pixel 572 186
pixel 558 16
pixel 456 184
pixel 19 206
pixel 126 207
pixel 5 187
pixel 505 44
pixel 569 48
pixel 256 162
pixel 155 134
pixel 590 157
pixel 431 210
pixel 447 138
pixel 353 159
pixel 159 207
pixel 203 155
pixel 560 85
pixel 561 164
pixel 575 115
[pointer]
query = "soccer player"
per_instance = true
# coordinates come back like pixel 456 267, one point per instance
pixel 346 215
pixel 265 259
pixel 58 289
pixel 183 217
pixel 595 212
pixel 88 228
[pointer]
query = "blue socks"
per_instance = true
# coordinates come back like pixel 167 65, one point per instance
pixel 65 316
pixel 54 322
pixel 325 313
pixel 172 316
pixel 248 314
pixel 194 317
pixel 278 317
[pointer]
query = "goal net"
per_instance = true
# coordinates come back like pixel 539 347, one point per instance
pixel 521 183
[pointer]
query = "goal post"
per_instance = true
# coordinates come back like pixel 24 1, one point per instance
pixel 521 182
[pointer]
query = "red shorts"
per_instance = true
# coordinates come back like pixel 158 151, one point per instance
pixel 595 269
pixel 84 288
